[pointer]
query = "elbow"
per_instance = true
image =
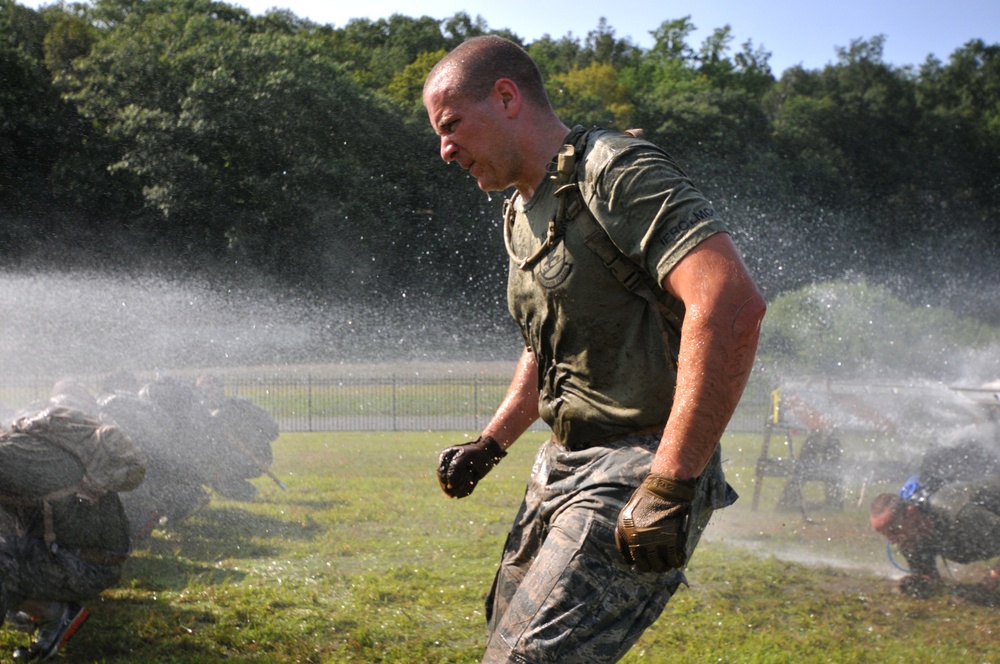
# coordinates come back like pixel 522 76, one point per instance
pixel 748 318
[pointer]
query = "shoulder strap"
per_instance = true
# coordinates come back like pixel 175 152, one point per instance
pixel 565 173
pixel 631 278
pixel 562 173
pixel 45 504
pixel 624 269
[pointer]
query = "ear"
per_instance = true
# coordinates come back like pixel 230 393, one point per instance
pixel 509 95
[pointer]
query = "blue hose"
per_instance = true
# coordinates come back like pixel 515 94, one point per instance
pixel 888 551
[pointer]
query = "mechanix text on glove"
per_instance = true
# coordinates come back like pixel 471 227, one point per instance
pixel 652 527
pixel 460 467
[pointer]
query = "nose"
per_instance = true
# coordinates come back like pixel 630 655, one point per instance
pixel 449 151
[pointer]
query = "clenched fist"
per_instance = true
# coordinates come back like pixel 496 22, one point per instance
pixel 652 527
pixel 460 467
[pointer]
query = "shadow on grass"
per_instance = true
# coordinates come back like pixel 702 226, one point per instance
pixel 194 548
pixel 133 629
pixel 156 572
pixel 119 630
pixel 235 524
pixel 976 593
pixel 318 504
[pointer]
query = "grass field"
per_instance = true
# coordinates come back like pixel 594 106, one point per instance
pixel 363 559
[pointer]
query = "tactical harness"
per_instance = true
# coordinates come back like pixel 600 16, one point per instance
pixel 564 171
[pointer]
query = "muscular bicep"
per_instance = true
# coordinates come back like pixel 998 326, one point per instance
pixel 712 277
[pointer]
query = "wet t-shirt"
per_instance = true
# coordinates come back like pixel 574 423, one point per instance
pixel 603 368
pixel 967 520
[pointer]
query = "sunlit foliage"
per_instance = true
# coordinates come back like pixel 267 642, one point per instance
pixel 193 130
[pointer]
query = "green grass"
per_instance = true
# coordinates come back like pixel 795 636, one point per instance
pixel 363 559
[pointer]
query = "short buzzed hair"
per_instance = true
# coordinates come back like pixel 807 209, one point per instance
pixel 887 504
pixel 477 64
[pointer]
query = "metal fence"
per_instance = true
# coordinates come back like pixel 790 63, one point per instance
pixel 365 401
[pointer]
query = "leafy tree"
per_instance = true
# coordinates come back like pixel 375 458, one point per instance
pixel 753 69
pixel 69 37
pixel 671 45
pixel 713 59
pixel 303 150
pixel 593 95
pixel 709 122
pixel 698 102
pixel 859 113
pixel 461 27
pixel 40 135
pixel 380 49
pixel 601 46
pixel 247 144
pixel 26 105
pixel 406 87
pixel 556 56
pixel 804 134
pixel 960 104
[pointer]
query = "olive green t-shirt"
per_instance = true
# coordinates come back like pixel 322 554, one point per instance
pixel 603 369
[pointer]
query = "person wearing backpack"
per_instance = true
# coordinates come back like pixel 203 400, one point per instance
pixel 245 432
pixel 60 471
pixel 640 324
pixel 951 510
pixel 170 491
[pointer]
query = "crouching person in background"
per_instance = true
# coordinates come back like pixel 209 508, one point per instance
pixel 60 471
pixel 960 522
pixel 244 432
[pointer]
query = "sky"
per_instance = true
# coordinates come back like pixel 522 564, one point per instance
pixel 795 32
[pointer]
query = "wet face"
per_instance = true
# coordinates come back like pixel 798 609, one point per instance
pixel 473 134
pixel 904 529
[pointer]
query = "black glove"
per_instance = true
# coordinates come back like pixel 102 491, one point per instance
pixel 920 586
pixel 460 467
pixel 652 527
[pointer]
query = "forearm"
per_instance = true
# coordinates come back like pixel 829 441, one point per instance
pixel 921 561
pixel 716 356
pixel 519 408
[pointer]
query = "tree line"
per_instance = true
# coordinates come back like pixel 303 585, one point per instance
pixel 192 135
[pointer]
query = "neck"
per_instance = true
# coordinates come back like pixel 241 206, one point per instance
pixel 541 144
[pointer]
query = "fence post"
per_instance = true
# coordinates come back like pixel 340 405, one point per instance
pixel 309 402
pixel 475 401
pixel 394 403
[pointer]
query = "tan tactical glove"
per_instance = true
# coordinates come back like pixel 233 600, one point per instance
pixel 652 527
pixel 460 467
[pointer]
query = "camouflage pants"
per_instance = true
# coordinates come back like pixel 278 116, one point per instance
pixel 563 593
pixel 30 570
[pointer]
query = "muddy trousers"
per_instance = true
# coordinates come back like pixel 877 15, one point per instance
pixel 563 593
